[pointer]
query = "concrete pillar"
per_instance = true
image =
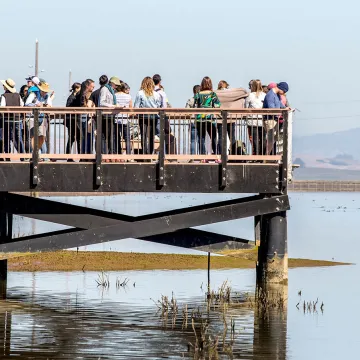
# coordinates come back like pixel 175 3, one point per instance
pixel 257 229
pixel 272 265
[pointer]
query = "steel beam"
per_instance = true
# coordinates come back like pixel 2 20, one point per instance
pixel 155 224
pixel 140 177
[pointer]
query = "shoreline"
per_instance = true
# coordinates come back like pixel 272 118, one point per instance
pixel 115 261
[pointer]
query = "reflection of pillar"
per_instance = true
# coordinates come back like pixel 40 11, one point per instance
pixel 270 324
pixel 272 264
pixel 6 225
pixel 5 333
pixel 257 229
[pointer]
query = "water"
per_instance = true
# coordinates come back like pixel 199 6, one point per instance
pixel 65 315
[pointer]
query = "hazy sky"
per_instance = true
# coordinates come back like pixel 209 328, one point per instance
pixel 311 44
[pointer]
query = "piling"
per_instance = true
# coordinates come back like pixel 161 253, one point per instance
pixel 6 225
pixel 272 265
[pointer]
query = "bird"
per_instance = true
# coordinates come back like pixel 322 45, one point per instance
pixel 134 284
pixel 299 293
pixel 322 306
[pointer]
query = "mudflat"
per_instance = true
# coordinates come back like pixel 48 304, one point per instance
pixel 113 261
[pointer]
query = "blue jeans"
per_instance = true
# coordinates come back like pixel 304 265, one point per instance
pixel 86 143
pixel 194 138
pixel 12 132
pixel 122 132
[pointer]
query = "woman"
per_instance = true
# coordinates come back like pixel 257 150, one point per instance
pixel 223 85
pixel 147 97
pixel 256 132
pixel 122 128
pixel 206 98
pixel 40 98
pixel 70 123
pixel 24 92
pixel 85 124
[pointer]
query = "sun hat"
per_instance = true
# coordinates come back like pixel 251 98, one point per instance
pixel 44 87
pixel 283 86
pixel 272 85
pixel 9 85
pixel 36 80
pixel 115 80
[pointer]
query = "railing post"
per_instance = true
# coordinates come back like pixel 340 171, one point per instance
pixel 224 156
pixel 286 174
pixel 98 156
pixel 161 162
pixel 35 154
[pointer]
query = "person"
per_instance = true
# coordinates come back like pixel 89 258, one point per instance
pixel 12 122
pixel 272 101
pixel 169 137
pixel 265 89
pixel 206 98
pixel 194 137
pixel 223 85
pixel 70 120
pixel 83 100
pixel 95 96
pixel 256 132
pixel 147 97
pixel 24 92
pixel 40 98
pixel 122 130
pixel 107 99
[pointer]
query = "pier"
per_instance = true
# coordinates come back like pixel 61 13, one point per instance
pixel 101 166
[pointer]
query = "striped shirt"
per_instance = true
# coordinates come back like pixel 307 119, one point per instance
pixel 122 100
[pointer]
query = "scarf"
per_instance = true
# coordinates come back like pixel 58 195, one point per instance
pixel 109 87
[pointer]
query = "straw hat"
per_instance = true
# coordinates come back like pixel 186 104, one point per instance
pixel 44 87
pixel 9 85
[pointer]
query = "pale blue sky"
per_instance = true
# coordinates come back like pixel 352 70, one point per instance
pixel 313 45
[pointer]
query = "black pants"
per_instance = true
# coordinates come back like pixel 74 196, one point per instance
pixel 202 128
pixel 230 129
pixel 74 135
pixel 122 132
pixel 147 124
pixel 258 140
pixel 107 135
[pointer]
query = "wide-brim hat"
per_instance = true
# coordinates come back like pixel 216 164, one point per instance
pixel 115 80
pixel 9 85
pixel 45 87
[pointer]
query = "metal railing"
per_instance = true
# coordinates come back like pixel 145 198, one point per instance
pixel 143 135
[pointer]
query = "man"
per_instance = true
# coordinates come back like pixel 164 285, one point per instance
pixel 194 138
pixel 272 124
pixel 107 99
pixel 12 122
pixel 95 96
pixel 170 144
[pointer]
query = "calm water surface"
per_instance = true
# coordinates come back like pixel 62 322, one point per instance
pixel 65 315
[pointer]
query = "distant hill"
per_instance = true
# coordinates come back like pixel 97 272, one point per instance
pixel 339 150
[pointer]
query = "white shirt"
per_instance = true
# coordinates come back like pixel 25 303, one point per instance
pixel 30 100
pixel 3 101
pixel 254 101
pixel 162 95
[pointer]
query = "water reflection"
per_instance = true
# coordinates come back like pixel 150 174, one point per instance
pixel 65 315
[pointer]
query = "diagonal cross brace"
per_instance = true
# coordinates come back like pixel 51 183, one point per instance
pixel 155 224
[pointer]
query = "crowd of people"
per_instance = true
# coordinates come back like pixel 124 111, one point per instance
pixel 115 93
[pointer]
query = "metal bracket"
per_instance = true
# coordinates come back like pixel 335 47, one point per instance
pixel 161 162
pixel 98 156
pixel 224 156
pixel 35 154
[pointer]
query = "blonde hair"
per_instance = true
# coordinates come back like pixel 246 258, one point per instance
pixel 148 86
pixel 256 87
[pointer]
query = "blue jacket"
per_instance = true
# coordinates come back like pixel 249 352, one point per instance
pixel 272 101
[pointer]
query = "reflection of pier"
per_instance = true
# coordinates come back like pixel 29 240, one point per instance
pixel 232 171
